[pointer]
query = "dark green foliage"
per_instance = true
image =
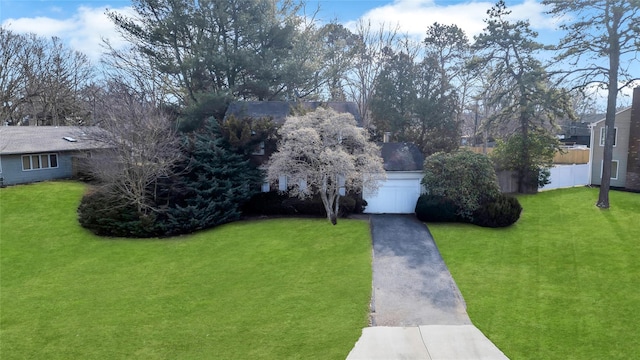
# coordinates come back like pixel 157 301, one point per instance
pixel 246 135
pixel 278 203
pixel 541 147
pixel 466 179
pixel 267 203
pixel 521 92
pixel 208 105
pixel 415 103
pixel 210 185
pixel 256 49
pixel 436 209
pixel 214 183
pixel 501 212
pixel 108 215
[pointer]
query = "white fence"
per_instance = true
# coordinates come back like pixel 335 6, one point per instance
pixel 563 176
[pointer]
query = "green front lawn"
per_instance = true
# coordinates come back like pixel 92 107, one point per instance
pixel 562 283
pixel 272 289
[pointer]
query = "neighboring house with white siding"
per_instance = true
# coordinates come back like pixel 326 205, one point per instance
pixel 38 153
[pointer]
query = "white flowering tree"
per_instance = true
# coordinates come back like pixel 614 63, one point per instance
pixel 326 153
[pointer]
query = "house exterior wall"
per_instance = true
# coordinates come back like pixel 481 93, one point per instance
pixel 633 158
pixel 620 151
pixel 13 174
pixel 398 194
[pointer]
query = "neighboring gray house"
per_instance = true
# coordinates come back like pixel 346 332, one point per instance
pixel 38 153
pixel 625 166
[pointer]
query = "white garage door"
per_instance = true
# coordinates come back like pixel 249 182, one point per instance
pixel 397 195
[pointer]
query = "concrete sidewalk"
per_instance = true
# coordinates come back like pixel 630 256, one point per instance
pixel 429 342
pixel 417 311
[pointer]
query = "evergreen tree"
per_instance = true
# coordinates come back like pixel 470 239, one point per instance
pixel 526 100
pixel 215 181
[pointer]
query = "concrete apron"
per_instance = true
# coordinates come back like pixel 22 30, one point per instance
pixel 428 342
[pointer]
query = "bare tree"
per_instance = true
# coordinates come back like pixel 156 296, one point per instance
pixel 142 147
pixel 368 64
pixel 41 80
pixel 136 71
pixel 21 60
pixel 326 153
pixel 11 76
pixel 63 76
pixel 599 34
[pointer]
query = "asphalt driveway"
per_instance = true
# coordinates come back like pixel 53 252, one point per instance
pixel 411 284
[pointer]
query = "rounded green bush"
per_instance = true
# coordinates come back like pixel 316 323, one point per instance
pixel 464 178
pixel 436 209
pixel 107 215
pixel 501 212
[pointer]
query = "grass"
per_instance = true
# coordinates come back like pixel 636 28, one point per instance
pixel 271 289
pixel 562 283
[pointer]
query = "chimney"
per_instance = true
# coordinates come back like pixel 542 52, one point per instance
pixel 633 157
pixel 386 137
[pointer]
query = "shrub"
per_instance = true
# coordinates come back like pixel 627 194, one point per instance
pixel 107 215
pixel 267 203
pixel 510 154
pixel 277 203
pixel 466 179
pixel 436 208
pixel 211 185
pixel 501 212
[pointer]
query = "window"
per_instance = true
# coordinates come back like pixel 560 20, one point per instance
pixel 39 161
pixel 341 184
pixel 603 136
pixel 614 169
pixel 265 187
pixel 282 183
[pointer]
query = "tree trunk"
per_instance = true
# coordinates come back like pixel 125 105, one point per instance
pixel 328 202
pixel 524 168
pixel 610 119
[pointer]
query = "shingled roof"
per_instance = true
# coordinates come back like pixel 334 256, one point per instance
pixel 37 139
pixel 278 111
pixel 402 157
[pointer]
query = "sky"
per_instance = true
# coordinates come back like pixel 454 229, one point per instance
pixel 82 23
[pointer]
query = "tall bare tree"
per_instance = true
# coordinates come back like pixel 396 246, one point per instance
pixel 340 47
pixel 141 147
pixel 41 80
pixel 368 64
pixel 601 47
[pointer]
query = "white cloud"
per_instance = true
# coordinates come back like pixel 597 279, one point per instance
pixel 415 16
pixel 82 32
pixel 598 94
